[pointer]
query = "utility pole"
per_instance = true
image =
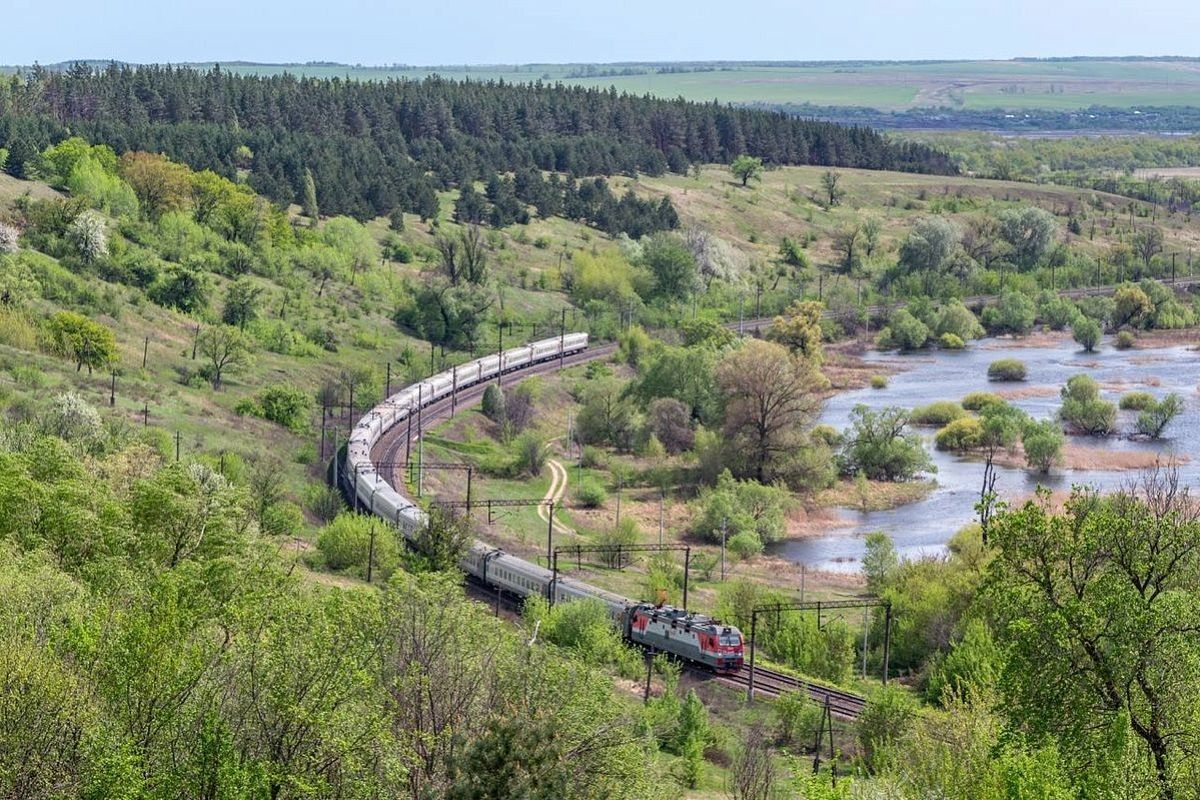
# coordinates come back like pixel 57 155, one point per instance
pixel 146 415
pixel 499 351
pixel 662 498
pixel 145 350
pixel 724 531
pixel 562 338
pixel 387 391
pixel 864 658
pixel 620 483
pixel 112 391
pixel 177 438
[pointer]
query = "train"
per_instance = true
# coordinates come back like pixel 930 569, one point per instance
pixel 692 637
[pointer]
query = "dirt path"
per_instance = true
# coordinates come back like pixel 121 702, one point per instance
pixel 555 494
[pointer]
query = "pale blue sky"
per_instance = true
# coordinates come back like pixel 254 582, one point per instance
pixel 523 31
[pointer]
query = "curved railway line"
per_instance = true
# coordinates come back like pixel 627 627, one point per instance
pixel 387 449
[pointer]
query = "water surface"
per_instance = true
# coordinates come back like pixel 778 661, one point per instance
pixel 925 526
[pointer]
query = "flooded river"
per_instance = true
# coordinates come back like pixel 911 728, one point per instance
pixel 925 526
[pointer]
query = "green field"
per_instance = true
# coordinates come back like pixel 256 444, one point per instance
pixel 1017 85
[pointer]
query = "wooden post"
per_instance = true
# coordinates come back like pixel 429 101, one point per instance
pixel 145 351
pixel 112 391
pixel 177 437
pixel 887 640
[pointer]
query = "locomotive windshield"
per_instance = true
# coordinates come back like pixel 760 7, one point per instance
pixel 730 639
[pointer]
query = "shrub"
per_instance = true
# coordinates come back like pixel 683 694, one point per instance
pixel 1055 311
pixel 1136 401
pixel 955 318
pixel 960 435
pixel 950 341
pixel 1043 442
pixel 939 413
pixel 975 401
pixel 590 493
pixel 531 455
pixel 907 332
pixel 1125 340
pixel 492 404
pixel 877 445
pixel 741 506
pixel 879 381
pixel 1156 417
pixel 744 545
pixel 1014 314
pixel 884 719
pixel 1083 410
pixel 593 458
pixel 1006 369
pixel 1086 332
pixel 286 406
pixel 346 543
pixel 671 422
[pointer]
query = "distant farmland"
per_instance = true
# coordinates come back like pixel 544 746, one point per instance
pixel 1051 85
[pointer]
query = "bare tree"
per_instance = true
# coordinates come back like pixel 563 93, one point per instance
pixel 753 775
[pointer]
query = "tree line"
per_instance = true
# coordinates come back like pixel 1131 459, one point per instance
pixel 375 146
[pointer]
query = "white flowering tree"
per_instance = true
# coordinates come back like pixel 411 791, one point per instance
pixel 8 238
pixel 89 234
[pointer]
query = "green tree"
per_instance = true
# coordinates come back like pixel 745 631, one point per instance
pixel 1043 443
pixel 672 266
pixel 830 181
pixel 1110 647
pixel 1131 306
pixel 1029 233
pixel 799 330
pixel 879 560
pixel 1154 419
pixel 87 343
pixel 441 544
pixel 1086 332
pixel 1083 410
pixel 241 303
pixel 879 444
pixel 746 168
pixel 225 350
pixel 309 206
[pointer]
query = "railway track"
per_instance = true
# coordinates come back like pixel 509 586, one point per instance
pixel 773 684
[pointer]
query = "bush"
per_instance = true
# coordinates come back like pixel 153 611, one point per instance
pixel 1086 332
pixel 345 543
pixel 492 404
pixel 1156 417
pixel 1043 442
pixel 876 444
pixel 1014 314
pixel 286 406
pixel 1136 401
pixel 939 413
pixel 741 506
pixel 590 493
pixel 1125 340
pixel 955 318
pixel 744 545
pixel 950 341
pixel 907 332
pixel 531 455
pixel 884 719
pixel 975 401
pixel 879 381
pixel 1083 410
pixel 960 435
pixel 1006 369
pixel 1056 312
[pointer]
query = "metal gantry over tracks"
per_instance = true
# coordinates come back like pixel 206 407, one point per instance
pixel 819 606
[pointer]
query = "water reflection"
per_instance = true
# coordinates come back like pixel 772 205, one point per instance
pixel 924 527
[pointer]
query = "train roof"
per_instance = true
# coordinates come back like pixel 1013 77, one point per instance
pixel 686 618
